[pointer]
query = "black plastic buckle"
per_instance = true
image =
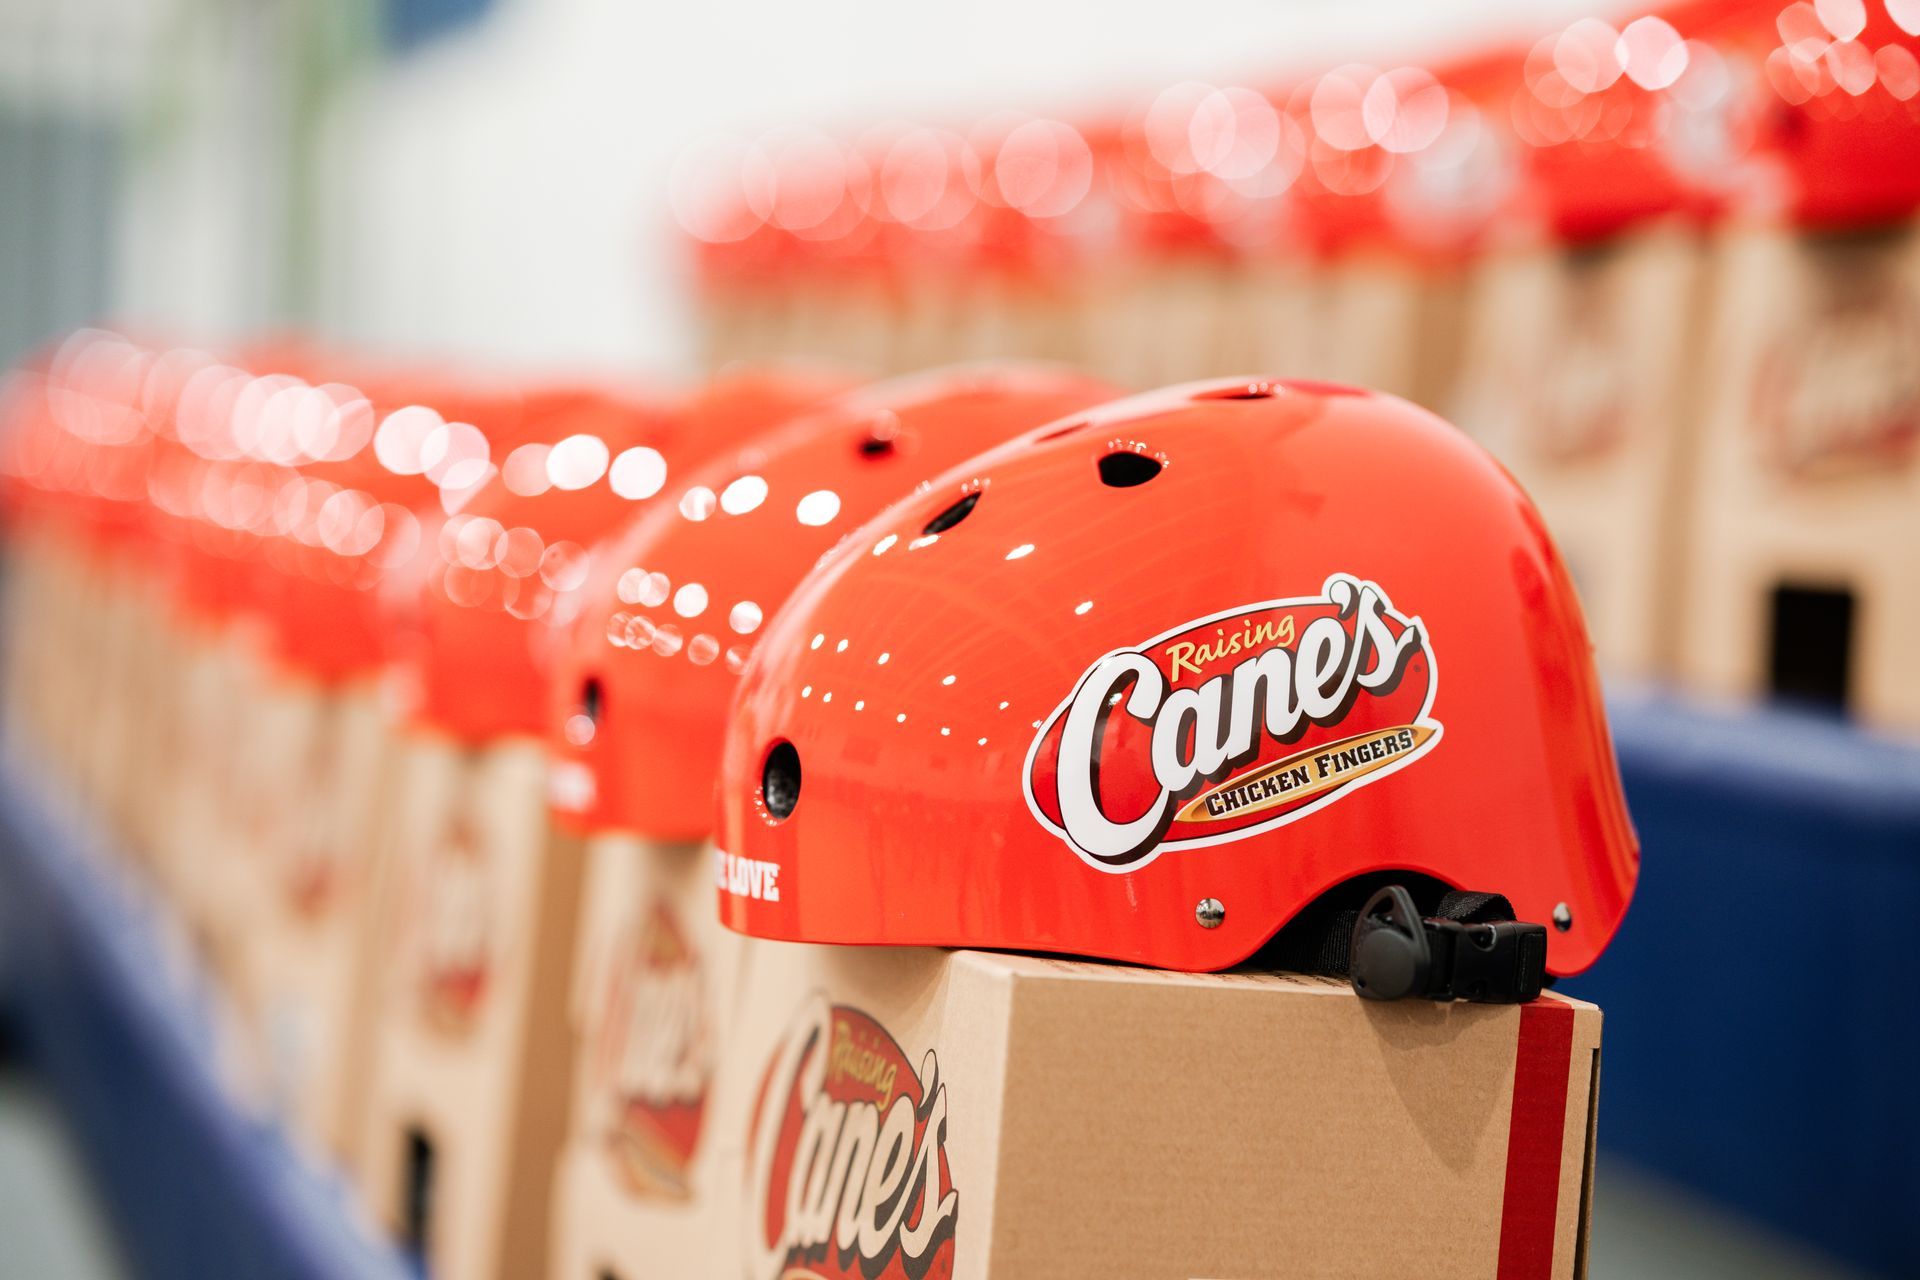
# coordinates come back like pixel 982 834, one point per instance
pixel 1397 953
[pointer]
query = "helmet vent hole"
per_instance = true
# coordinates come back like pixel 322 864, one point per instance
pixel 780 780
pixel 593 699
pixel 876 446
pixel 1125 469
pixel 954 514
pixel 1244 391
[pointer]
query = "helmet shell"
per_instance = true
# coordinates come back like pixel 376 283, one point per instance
pixel 641 705
pixel 510 568
pixel 325 581
pixel 1237 642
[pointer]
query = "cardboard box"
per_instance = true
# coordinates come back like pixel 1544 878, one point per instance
pixel 851 323
pixel 187 784
pixel 111 657
pixel 27 641
pixel 1807 500
pixel 1166 321
pixel 924 317
pixel 465 1099
pixel 59 696
pixel 1045 1117
pixel 1578 374
pixel 312 949
pixel 655 978
pixel 1386 323
pixel 252 796
pixel 1272 314
pixel 152 689
pixel 263 812
pixel 93 642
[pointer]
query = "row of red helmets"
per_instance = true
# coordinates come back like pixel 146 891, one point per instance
pixel 1015 664
pixel 980 657
pixel 1803 108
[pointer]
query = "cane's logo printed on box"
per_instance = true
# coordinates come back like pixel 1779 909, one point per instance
pixel 1577 411
pixel 1842 395
pixel 654 1058
pixel 847 1166
pixel 277 792
pixel 1234 724
pixel 455 928
pixel 1580 405
pixel 311 859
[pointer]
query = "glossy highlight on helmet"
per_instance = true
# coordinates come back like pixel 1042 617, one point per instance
pixel 688 589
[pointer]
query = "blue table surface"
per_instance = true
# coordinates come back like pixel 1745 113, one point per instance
pixel 1760 1040
pixel 125 1036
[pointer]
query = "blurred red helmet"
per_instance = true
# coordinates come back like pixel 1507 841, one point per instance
pixel 514 563
pixel 1146 683
pixel 641 704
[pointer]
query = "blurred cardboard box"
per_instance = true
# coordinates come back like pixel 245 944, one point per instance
pixel 654 978
pixel 30 569
pixel 311 947
pixel 64 696
pixel 153 689
pixel 256 806
pixel 1808 494
pixel 464 1102
pixel 1272 313
pixel 1166 321
pixel 1578 373
pixel 115 613
pixel 215 785
pixel 188 784
pixel 895 1113
pixel 1372 327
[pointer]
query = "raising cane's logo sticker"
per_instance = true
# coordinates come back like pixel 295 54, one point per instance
pixel 655 1055
pixel 1234 724
pixel 847 1168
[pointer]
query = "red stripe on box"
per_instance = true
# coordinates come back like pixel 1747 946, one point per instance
pixel 1531 1204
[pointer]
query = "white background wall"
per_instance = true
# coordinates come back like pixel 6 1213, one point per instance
pixel 502 193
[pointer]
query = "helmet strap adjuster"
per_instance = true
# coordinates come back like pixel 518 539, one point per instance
pixel 1471 948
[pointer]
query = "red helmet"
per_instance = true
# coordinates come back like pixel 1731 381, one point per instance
pixel 641 705
pixel 325 503
pixel 513 563
pixel 1146 683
